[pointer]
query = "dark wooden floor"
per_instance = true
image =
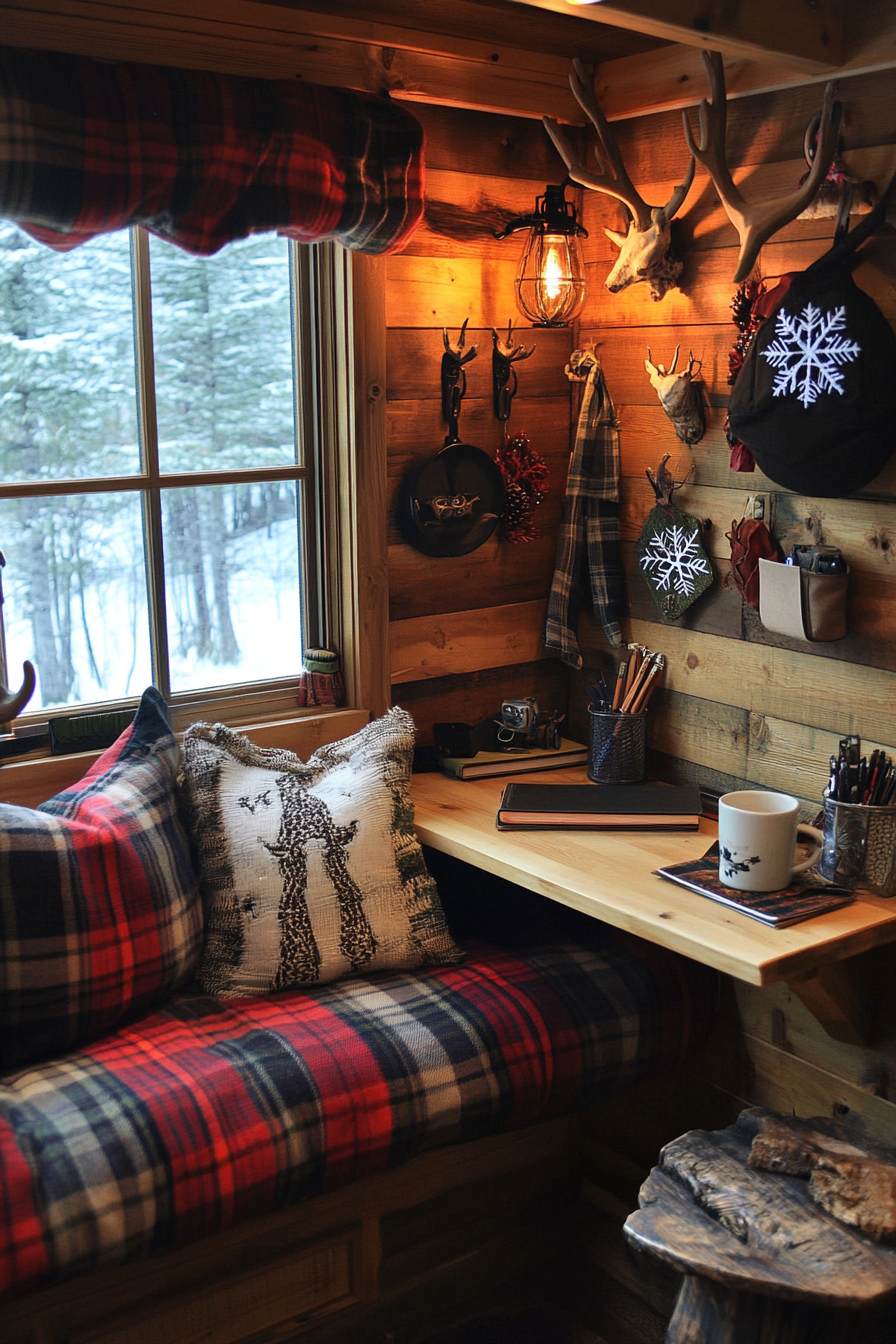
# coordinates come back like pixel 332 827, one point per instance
pixel 532 1321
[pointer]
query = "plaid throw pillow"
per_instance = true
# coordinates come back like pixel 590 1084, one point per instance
pixel 310 871
pixel 100 915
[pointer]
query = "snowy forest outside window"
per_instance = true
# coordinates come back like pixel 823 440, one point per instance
pixel 156 510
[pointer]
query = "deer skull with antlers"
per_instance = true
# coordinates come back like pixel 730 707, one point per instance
pixel 645 251
pixel 755 224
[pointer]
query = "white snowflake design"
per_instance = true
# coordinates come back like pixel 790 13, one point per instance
pixel 808 352
pixel 674 558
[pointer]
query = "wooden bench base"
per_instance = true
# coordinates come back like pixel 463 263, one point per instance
pixel 762 1260
pixel 389 1253
pixel 711 1313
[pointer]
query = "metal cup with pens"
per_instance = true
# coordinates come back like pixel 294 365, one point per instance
pixel 860 821
pixel 618 727
pixel 618 753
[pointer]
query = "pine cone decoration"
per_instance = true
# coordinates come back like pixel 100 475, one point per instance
pixel 525 486
pixel 747 323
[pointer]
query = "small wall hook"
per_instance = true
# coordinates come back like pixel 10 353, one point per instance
pixel 454 379
pixel 12 703
pixel 504 380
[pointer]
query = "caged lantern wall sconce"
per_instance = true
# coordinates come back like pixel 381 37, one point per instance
pixel 550 282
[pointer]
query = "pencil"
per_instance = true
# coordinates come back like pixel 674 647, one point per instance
pixel 620 683
pixel 650 685
pixel 638 683
pixel 635 656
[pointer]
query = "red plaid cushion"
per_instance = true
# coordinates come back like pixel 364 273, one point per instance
pixel 99 911
pixel 209 1112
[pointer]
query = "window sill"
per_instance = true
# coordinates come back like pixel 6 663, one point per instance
pixel 32 781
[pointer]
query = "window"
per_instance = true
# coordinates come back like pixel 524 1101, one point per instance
pixel 161 514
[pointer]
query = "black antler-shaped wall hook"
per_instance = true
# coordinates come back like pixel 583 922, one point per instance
pixel 12 702
pixel 454 379
pixel 504 380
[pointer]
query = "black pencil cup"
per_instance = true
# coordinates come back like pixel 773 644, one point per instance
pixel 618 750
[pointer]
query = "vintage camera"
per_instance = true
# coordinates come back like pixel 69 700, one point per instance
pixel 518 716
pixel 523 725
pixel 818 559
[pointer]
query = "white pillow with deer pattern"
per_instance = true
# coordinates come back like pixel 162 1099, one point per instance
pixel 309 871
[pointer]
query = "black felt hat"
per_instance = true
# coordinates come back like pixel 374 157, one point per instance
pixel 815 401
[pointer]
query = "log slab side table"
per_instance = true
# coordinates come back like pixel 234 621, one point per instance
pixel 763 1263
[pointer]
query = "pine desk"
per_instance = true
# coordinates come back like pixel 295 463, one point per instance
pixel 608 874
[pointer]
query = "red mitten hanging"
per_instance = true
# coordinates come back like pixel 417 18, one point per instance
pixel 751 542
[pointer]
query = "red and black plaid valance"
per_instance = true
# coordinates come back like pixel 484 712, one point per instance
pixel 199 158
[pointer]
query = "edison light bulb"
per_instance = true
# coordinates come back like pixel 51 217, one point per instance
pixel 550 281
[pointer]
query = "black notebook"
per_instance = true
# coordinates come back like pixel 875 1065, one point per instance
pixel 803 899
pixel 591 807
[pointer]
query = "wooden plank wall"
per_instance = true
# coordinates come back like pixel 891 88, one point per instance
pixel 466 631
pixel 742 706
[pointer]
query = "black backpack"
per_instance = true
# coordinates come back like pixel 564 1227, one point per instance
pixel 815 401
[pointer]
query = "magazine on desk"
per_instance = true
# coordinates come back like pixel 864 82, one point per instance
pixel 803 899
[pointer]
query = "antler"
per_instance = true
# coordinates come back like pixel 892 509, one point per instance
pixel 755 224
pixel 623 189
pixel 11 703
pixel 506 349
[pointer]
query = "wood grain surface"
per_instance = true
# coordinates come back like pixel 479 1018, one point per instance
pixel 704 1210
pixel 610 876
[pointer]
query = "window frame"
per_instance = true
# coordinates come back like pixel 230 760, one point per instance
pixel 339 323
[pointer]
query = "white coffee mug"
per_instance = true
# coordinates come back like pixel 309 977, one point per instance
pixel 757 840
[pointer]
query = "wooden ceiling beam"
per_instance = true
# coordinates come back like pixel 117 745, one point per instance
pixel 870 35
pixel 808 36
pixel 673 77
pixel 275 42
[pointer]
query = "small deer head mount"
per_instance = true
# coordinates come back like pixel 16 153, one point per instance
pixel 680 395
pixel 645 251
pixel 664 483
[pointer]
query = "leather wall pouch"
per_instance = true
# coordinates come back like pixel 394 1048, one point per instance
pixel 802 604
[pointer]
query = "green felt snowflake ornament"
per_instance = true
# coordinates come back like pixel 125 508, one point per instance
pixel 670 551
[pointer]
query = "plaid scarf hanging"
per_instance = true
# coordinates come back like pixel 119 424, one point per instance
pixel 201 159
pixel 590 520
